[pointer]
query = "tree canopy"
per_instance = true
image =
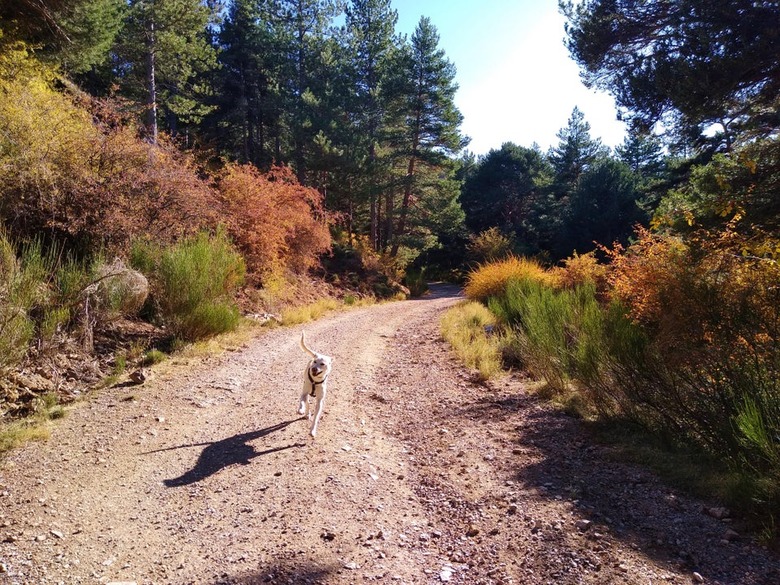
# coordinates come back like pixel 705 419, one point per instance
pixel 688 64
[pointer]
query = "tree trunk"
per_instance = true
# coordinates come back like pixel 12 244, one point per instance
pixel 373 198
pixel 298 155
pixel 387 237
pixel 151 82
pixel 401 228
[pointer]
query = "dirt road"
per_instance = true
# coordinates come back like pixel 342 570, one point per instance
pixel 418 475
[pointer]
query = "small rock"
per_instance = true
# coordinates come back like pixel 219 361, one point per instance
pixel 139 376
pixel 583 525
pixel 445 574
pixel 730 535
pixel 472 531
pixel 697 577
pixel 57 534
pixel 351 566
pixel 327 535
pixel 719 512
pixel 512 509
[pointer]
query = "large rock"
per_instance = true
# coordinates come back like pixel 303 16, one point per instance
pixel 119 289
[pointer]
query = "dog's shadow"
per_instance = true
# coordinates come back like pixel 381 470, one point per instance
pixel 218 455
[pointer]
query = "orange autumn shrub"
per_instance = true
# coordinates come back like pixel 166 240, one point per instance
pixel 491 279
pixel 68 172
pixel 581 269
pixel 707 366
pixel 276 222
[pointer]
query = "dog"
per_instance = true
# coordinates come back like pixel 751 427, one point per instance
pixel 315 385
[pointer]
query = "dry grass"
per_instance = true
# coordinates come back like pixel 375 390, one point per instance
pixel 18 433
pixel 464 327
pixel 490 280
pixel 33 428
pixel 310 312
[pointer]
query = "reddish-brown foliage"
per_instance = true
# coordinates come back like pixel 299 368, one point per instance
pixel 275 221
pixel 83 179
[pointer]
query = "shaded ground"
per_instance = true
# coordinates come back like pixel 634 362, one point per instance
pixel 418 475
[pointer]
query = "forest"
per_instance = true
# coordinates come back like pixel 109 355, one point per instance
pixel 250 141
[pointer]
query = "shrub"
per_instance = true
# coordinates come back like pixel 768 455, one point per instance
pixel 490 280
pixel 152 357
pixel 558 332
pixel 192 283
pixel 489 246
pixel 416 282
pixel 710 368
pixel 118 290
pixel 17 296
pixel 466 328
pixel 687 345
pixel 84 183
pixel 581 269
pixel 276 222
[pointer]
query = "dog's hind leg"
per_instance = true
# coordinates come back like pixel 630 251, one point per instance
pixel 317 414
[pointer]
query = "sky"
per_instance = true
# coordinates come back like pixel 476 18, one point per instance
pixel 517 80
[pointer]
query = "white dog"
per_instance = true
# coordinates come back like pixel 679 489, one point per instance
pixel 315 385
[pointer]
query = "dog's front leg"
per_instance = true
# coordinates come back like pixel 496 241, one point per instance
pixel 318 406
pixel 303 406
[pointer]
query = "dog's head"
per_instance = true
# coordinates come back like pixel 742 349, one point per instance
pixel 320 366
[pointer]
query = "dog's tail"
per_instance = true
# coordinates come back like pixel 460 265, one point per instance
pixel 304 347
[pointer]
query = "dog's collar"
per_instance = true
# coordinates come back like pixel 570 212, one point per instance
pixel 314 382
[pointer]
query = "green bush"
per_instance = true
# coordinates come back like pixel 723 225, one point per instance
pixel 490 245
pixel 22 289
pixel 192 283
pixel 153 356
pixel 416 282
pixel 566 338
pixel 558 332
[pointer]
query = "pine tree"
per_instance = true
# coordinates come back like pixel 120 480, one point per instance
pixel 576 150
pixel 370 42
pixel 432 121
pixel 305 26
pixel 164 51
pixel 248 123
pixel 77 34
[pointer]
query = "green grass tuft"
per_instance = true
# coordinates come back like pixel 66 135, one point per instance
pixel 466 327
